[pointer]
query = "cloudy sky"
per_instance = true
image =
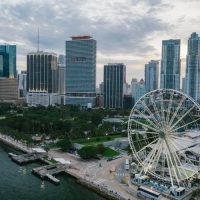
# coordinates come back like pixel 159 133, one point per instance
pixel 129 31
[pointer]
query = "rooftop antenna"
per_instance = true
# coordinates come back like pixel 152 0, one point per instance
pixel 38 40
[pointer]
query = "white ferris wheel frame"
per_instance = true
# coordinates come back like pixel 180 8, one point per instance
pixel 135 153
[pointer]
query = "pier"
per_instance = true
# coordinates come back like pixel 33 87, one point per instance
pixel 49 171
pixel 26 158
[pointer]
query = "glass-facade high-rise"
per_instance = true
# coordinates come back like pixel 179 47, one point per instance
pixel 151 75
pixel 170 65
pixel 8 61
pixel 80 79
pixel 61 76
pixel 114 80
pixel 42 72
pixel 193 67
pixel 138 89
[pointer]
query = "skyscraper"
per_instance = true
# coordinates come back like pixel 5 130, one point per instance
pixel 22 77
pixel 80 88
pixel 170 65
pixel 193 67
pixel 42 79
pixel 151 75
pixel 114 80
pixel 138 89
pixel 184 85
pixel 61 74
pixel 8 61
pixel 42 72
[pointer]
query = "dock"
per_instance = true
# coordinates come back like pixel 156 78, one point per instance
pixel 11 154
pixel 53 179
pixel 49 171
pixel 26 158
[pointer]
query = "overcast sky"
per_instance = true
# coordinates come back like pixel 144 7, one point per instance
pixel 129 31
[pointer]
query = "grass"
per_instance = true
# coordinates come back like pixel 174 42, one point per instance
pixel 52 161
pixel 110 153
pixel 96 140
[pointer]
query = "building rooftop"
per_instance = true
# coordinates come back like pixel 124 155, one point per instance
pixel 115 64
pixel 81 37
pixel 42 52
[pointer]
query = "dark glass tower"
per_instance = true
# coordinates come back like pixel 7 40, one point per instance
pixel 42 72
pixel 114 80
pixel 8 61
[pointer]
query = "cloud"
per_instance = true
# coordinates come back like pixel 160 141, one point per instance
pixel 128 30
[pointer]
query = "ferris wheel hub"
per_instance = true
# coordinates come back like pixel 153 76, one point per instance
pixel 162 134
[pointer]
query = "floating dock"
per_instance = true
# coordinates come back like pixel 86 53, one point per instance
pixel 26 158
pixel 49 170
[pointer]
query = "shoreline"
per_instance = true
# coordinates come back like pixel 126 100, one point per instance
pixel 102 191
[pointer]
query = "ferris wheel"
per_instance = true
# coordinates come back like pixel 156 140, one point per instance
pixel 156 130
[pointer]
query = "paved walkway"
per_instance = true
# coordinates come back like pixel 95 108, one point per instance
pixel 17 144
pixel 98 172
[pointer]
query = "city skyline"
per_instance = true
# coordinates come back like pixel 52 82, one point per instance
pixel 144 23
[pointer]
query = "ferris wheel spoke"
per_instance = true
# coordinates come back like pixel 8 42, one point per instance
pixel 181 118
pixel 144 125
pixel 152 153
pixel 144 139
pixel 178 159
pixel 183 154
pixel 183 139
pixel 171 159
pixel 149 145
pixel 142 132
pixel 176 111
pixel 178 162
pixel 155 108
pixel 146 118
pixel 169 167
pixel 169 108
pixel 174 130
pixel 150 113
pixel 181 143
pixel 162 112
pixel 158 155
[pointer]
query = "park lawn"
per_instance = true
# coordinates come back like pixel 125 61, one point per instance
pixel 110 153
pixel 96 140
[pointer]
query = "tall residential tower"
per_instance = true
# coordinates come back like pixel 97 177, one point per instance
pixel 193 67
pixel 151 75
pixel 170 65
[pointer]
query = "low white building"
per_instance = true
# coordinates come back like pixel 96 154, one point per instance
pixel 42 98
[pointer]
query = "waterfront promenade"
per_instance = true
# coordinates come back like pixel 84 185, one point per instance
pixel 15 143
pixel 94 174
